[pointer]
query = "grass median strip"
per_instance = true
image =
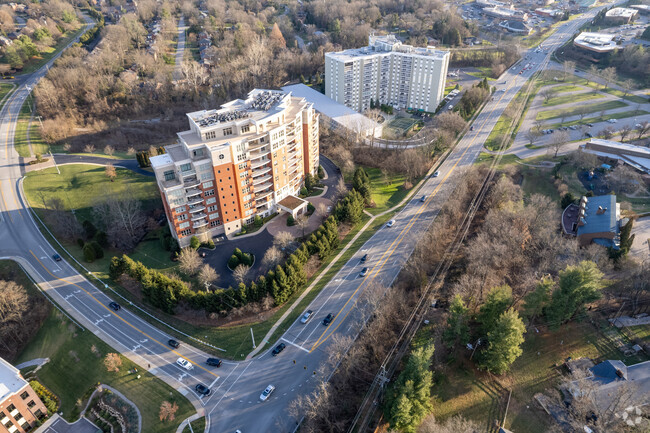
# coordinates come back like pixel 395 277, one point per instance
pixel 574 111
pixel 621 115
pixel 566 99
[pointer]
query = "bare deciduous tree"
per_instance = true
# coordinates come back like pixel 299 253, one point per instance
pixel 321 210
pixel 121 216
pixel 272 257
pixel 113 362
pixel 89 148
pixel 207 275
pixel 532 135
pixel 623 178
pixel 14 304
pixel 283 239
pixel 547 94
pixel 167 411
pixel 451 121
pixel 341 189
pixel 456 424
pixel 241 272
pixel 643 129
pixel 625 131
pixel 558 141
pixel 628 85
pixel 108 150
pixel 111 173
pixel 302 222
pixel 189 261
pixel 64 223
pixel 608 75
pixel 568 67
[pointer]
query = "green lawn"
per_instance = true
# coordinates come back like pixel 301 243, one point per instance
pixel 590 108
pixel 483 72
pixel 76 365
pixel 489 157
pixel 387 191
pixel 563 88
pixel 460 389
pixel 565 99
pixel 22 127
pixel 198 426
pixel 5 89
pixel 620 115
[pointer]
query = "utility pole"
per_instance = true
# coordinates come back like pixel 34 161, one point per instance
pixel 253 338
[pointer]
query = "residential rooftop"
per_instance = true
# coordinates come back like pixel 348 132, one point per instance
pixel 385 45
pixel 10 380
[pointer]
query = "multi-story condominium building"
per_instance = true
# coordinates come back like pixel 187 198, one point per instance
pixel 20 407
pixel 237 162
pixel 388 72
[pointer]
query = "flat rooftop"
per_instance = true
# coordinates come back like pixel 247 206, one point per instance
pixel 596 41
pixel 621 12
pixel 10 380
pixel 386 45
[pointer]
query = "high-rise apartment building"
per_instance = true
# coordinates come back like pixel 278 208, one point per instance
pixel 388 72
pixel 237 162
pixel 20 407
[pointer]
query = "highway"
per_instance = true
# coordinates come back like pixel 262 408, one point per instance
pixel 236 386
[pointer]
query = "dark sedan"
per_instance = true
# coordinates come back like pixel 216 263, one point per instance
pixel 202 389
pixel 214 362
pixel 173 343
pixel 279 348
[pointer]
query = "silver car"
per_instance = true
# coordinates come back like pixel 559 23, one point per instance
pixel 267 392
pixel 305 317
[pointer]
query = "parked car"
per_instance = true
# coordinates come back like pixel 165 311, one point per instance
pixel 328 319
pixel 363 272
pixel 423 198
pixel 174 343
pixel 590 124
pixel 267 392
pixel 214 362
pixel 279 348
pixel 184 363
pixel 612 120
pixel 436 174
pixel 115 306
pixel 56 257
pixel 305 317
pixel 364 258
pixel 390 223
pixel 202 389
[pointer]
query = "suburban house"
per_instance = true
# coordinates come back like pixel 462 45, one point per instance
pixel 594 219
pixel 20 407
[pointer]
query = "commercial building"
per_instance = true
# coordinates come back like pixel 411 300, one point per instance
pixel 491 3
pixel 20 407
pixel 237 162
pixel 595 219
pixel 548 12
pixel 387 72
pixel 515 27
pixel 644 9
pixel 621 15
pixel 637 157
pixel 506 14
pixel 595 42
pixel 337 116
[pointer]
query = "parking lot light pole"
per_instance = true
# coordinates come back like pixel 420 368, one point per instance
pixel 253 338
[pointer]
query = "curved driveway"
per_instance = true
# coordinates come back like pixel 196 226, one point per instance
pixel 234 402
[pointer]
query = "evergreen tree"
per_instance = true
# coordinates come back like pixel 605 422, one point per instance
pixel 536 301
pixel 496 303
pixel 504 343
pixel 457 331
pixel 578 286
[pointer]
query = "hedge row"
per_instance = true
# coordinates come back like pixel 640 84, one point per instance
pixel 165 293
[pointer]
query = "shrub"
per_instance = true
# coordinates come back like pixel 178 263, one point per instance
pixel 310 208
pixel 195 243
pixel 233 262
pixel 321 172
pixel 89 253
pixel 164 242
pixel 89 229
pixel 101 238
pixel 257 221
pixel 208 244
pixel 247 259
pixel 304 191
pixel 80 242
pixel 291 221
pixel 99 252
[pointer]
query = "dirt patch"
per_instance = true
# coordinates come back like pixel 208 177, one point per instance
pixel 251 313
pixel 132 286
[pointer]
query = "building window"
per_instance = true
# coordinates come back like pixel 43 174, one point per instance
pixel 18 416
pixel 11 408
pixel 8 424
pixel 208 184
pixel 169 175
pixel 227 131
pixel 180 209
pixel 184 225
pixel 214 216
pixel 212 208
pixel 215 223
pixel 208 193
pixel 31 404
pixel 245 128
pixel 38 414
pixel 182 217
pixel 186 167
pixel 210 134
pixel 186 232
pixel 24 395
pixel 243 165
pixel 211 200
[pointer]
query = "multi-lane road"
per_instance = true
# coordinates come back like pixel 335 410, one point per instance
pixel 236 386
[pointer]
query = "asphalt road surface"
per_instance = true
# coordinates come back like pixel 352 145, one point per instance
pixel 235 399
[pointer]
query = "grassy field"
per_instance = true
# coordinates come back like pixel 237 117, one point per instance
pixel 76 365
pixel 620 115
pixel 565 99
pixel 38 61
pixel 483 72
pixel 5 89
pixel 387 191
pixel 485 157
pixel 460 389
pixel 590 108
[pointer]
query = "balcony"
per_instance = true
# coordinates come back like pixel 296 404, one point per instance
pixel 195 201
pixel 198 224
pixel 262 179
pixel 260 163
pixel 191 181
pixel 259 153
pixel 261 171
pixel 192 192
pixel 260 188
pixel 188 173
pixel 263 197
pixel 196 209
pixel 199 216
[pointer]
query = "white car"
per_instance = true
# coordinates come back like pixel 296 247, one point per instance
pixel 612 120
pixel 184 363
pixel 390 223
pixel 267 392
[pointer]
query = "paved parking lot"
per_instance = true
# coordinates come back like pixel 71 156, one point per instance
pixel 640 248
pixel 56 424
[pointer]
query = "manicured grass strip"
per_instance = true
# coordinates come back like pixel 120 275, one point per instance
pixel 20 135
pixel 5 88
pixel 591 108
pixel 77 364
pixel 198 426
pixel 621 115
pixel 567 88
pixel 483 72
pixel 505 159
pixel 566 99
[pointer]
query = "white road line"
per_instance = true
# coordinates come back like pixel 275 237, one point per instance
pixel 295 345
pixel 228 390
